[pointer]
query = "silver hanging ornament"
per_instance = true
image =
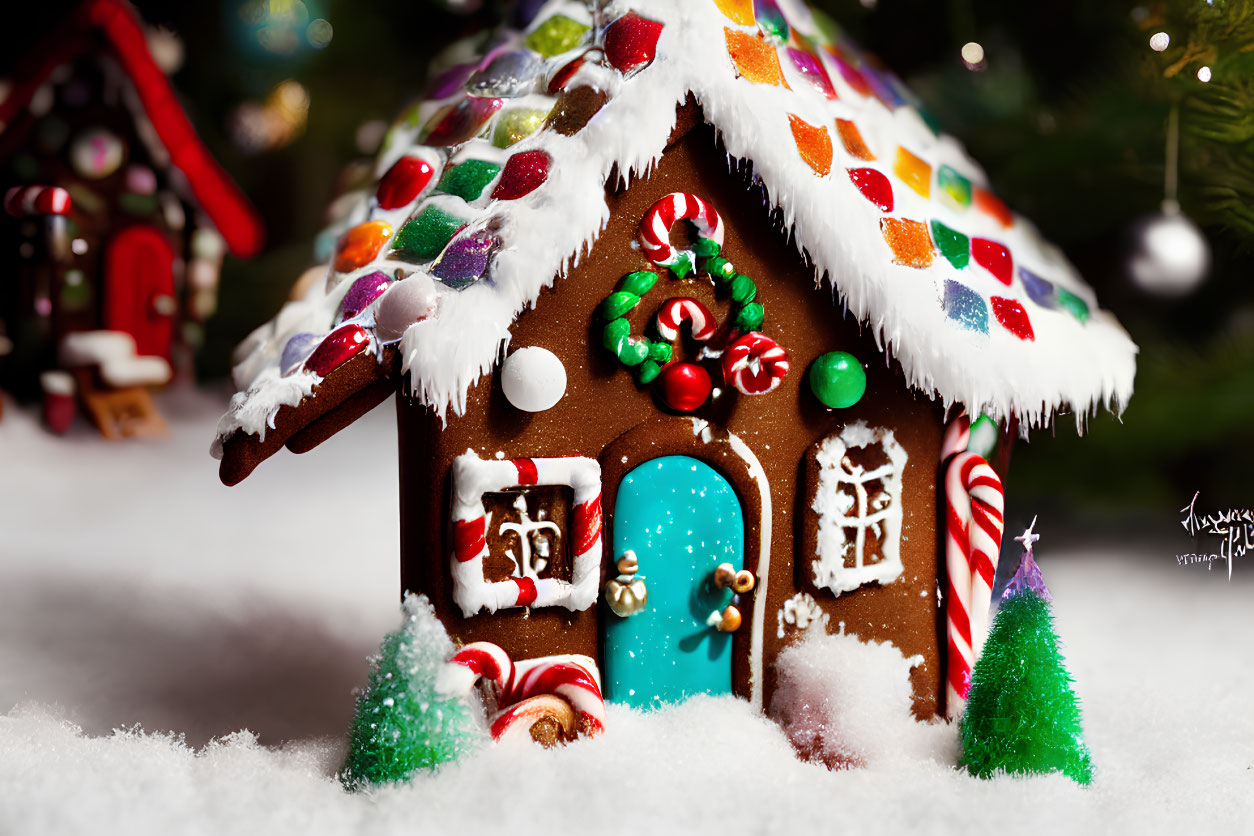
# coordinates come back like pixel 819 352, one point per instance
pixel 1170 255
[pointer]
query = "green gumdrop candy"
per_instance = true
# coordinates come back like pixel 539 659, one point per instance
pixel 615 333
pixel 648 371
pixel 750 317
pixel 424 237
pixel 953 245
pixel 743 289
pixel 683 266
pixel 469 179
pixel 720 268
pixel 954 186
pixel 660 352
pixel 1077 306
pixel 639 282
pixel 618 303
pixel 634 351
pixel 556 35
pixel 837 379
pixel 706 247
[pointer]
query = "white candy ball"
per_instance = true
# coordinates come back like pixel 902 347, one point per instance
pixel 410 300
pixel 1171 255
pixel 533 379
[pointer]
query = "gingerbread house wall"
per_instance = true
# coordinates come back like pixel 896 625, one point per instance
pixel 605 415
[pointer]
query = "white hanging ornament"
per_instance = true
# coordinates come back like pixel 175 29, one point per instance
pixel 533 379
pixel 1170 255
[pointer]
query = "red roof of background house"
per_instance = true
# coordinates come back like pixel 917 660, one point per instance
pixel 236 219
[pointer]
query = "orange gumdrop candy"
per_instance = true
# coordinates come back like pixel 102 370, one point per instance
pixel 361 244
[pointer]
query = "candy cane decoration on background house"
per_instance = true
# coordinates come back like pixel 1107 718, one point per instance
pixel 29 201
pixel 472 478
pixel 655 228
pixel 973 526
pixel 562 688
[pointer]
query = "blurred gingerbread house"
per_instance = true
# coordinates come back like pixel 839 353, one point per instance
pixel 679 298
pixel 118 220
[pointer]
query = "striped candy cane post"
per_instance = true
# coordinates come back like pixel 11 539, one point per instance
pixel 957 436
pixel 973 527
pixel 27 201
pixel 655 228
pixel 675 311
pixel 472 478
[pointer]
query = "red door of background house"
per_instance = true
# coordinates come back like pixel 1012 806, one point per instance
pixel 139 288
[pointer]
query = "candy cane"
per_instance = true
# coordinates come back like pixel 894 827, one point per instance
pixel 655 228
pixel 957 436
pixel 515 722
pixel 489 661
pixel 755 364
pixel 531 690
pixel 572 683
pixel 973 526
pixel 675 311
pixel 23 201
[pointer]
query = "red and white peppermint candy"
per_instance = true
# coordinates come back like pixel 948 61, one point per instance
pixel 26 201
pixel 675 311
pixel 655 227
pixel 973 525
pixel 755 364
pixel 557 687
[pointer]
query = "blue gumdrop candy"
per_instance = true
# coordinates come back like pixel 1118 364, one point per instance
pixel 1040 291
pixel 966 307
pixel 297 350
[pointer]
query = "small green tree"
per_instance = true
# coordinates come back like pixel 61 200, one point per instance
pixel 1022 715
pixel 404 722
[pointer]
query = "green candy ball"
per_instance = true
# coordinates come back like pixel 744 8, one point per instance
pixel 837 379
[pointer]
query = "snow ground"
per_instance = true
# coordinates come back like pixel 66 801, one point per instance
pixel 135 590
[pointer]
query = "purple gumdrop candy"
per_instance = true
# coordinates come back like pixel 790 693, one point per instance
pixel 509 74
pixel 466 259
pixel 1027 577
pixel 363 291
pixel 298 348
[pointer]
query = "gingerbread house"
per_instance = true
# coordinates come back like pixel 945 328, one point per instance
pixel 678 299
pixel 118 218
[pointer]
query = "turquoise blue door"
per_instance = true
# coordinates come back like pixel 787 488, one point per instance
pixel 682 519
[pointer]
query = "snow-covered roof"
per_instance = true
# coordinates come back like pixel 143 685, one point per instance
pixel 973 303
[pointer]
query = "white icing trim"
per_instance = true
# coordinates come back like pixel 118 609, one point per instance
pixel 835 471
pixel 701 429
pixel 544 234
pixel 472 478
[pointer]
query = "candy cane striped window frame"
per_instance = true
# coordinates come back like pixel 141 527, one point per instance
pixel 472 478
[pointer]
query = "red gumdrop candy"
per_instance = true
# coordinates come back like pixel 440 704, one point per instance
pixel 1013 317
pixel 874 187
pixel 684 386
pixel 523 174
pixel 340 346
pixel 994 258
pixel 563 76
pixel 631 41
pixel 404 181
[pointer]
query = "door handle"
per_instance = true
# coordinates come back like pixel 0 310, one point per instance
pixel 728 619
pixel 626 594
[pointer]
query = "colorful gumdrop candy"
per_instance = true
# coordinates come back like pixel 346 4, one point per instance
pixel 361 244
pixel 684 386
pixel 363 291
pixel 340 346
pixel 406 302
pixel 403 182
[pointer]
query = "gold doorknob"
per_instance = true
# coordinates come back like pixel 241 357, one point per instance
pixel 727 621
pixel 726 577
